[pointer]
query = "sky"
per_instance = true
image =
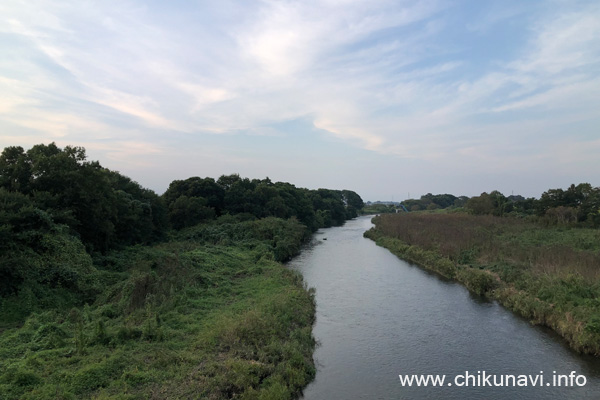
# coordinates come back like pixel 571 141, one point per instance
pixel 391 99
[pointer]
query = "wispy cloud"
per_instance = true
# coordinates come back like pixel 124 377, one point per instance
pixel 411 80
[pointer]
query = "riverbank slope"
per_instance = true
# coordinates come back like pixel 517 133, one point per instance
pixel 550 275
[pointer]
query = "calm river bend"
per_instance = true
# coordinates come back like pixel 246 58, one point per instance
pixel 379 317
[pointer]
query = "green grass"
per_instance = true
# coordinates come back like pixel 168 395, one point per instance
pixel 550 275
pixel 184 319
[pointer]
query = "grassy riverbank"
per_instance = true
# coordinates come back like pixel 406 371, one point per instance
pixel 550 275
pixel 209 314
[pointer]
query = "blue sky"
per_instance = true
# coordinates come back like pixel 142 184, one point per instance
pixel 385 98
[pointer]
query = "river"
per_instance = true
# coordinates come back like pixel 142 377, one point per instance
pixel 379 317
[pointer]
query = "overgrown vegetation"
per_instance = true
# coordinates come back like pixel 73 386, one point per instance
pixel 211 315
pixel 549 274
pixel 100 297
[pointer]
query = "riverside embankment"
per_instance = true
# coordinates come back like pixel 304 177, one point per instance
pixel 547 274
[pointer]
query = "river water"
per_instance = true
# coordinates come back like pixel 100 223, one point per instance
pixel 379 317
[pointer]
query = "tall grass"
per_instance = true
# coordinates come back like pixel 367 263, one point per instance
pixel 466 238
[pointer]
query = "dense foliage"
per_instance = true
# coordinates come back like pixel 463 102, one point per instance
pixel 434 202
pixel 201 199
pixel 579 203
pixel 101 207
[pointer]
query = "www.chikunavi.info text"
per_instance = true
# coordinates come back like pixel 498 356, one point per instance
pixel 483 378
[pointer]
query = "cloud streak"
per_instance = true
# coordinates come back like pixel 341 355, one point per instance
pixel 410 80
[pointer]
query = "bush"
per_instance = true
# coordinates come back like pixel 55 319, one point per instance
pixel 478 281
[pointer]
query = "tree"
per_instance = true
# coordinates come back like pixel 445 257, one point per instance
pixel 206 188
pixel 480 205
pixel 583 198
pixel 189 211
pixel 562 215
pixel 498 202
pixel 15 170
pixel 353 202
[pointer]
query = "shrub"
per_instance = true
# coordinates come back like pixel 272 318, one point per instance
pixel 478 281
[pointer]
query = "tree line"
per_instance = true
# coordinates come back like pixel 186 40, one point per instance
pixel 198 199
pixel 59 210
pixel 578 204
